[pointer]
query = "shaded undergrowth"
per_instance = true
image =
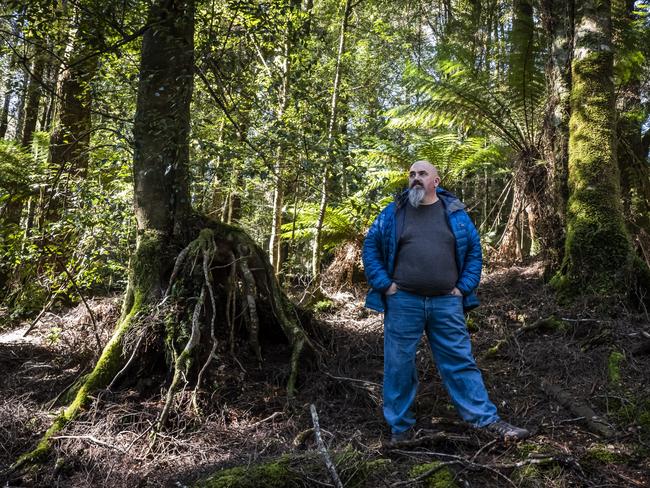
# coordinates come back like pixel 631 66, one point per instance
pixel 590 351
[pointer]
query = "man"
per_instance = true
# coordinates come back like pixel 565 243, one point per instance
pixel 422 257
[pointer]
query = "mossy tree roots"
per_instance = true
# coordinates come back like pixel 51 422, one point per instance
pixel 180 311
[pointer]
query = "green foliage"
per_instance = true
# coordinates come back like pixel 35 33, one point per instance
pixel 91 237
pixel 614 367
pixel 458 96
pixel 442 478
pixel 16 167
pixel 324 306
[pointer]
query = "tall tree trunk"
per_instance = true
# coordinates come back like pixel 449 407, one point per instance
pixel 10 88
pixel 598 255
pixel 70 141
pixel 279 169
pixel 520 73
pixel 161 196
pixel 557 20
pixel 329 152
pixel 21 95
pixel 33 99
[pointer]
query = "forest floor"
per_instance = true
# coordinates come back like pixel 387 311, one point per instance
pixel 544 377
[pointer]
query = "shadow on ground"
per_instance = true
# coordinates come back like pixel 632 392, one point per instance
pixel 586 351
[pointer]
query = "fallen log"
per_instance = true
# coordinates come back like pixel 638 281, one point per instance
pixel 594 422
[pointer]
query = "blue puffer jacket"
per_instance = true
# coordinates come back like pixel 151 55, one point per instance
pixel 380 249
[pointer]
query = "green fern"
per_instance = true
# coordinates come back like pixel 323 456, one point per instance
pixel 457 96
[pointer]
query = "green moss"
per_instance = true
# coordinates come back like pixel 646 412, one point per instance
pixel 353 468
pixel 324 306
pixel 525 449
pixel 602 453
pixel 442 478
pixel 553 324
pixel 274 474
pixel 105 370
pixel 528 476
pixel 472 324
pixel 614 367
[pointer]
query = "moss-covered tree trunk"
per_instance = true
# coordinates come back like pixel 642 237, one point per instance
pixel 632 151
pixel 161 200
pixel 598 255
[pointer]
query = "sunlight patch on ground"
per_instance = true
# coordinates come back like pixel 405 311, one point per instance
pixel 16 336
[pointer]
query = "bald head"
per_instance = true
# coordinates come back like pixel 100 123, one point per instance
pixel 423 179
pixel 426 165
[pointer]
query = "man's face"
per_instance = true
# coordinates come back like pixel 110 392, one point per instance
pixel 425 176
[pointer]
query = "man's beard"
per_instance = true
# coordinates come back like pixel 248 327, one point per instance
pixel 416 195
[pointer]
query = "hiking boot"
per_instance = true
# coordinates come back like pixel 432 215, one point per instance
pixel 398 437
pixel 507 431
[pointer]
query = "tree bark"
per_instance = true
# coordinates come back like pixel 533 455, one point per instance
pixel 557 21
pixel 33 99
pixel 70 140
pixel 598 255
pixel 10 89
pixel 279 169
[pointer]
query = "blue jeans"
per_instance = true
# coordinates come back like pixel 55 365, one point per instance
pixel 407 315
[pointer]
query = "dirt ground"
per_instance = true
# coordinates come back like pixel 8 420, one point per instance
pixel 544 377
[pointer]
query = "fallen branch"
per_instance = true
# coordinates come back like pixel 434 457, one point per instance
pixel 323 450
pixel 35 321
pixel 595 423
pixel 538 324
pixel 353 380
pixel 434 438
pixel 532 459
pixel 270 417
pixel 90 438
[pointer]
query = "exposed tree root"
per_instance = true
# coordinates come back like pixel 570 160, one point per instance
pixel 158 302
pixel 107 367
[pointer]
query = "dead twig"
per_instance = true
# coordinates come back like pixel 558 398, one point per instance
pixel 270 417
pixel 538 324
pixel 91 439
pixel 83 299
pixel 323 450
pixel 45 309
